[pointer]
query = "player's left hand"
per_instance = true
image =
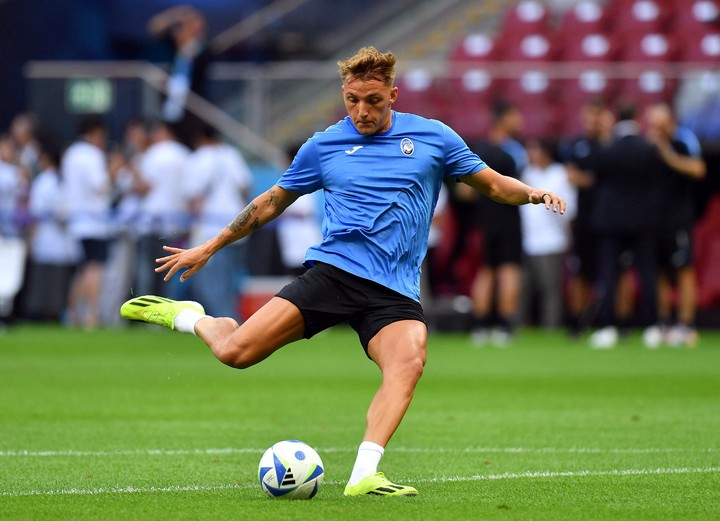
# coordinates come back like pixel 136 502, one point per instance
pixel 551 200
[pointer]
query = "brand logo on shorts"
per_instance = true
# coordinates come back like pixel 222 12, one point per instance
pixel 407 147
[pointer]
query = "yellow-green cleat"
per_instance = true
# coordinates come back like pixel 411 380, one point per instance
pixel 378 485
pixel 157 310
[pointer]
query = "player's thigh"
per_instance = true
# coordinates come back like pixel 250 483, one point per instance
pixel 400 345
pixel 277 323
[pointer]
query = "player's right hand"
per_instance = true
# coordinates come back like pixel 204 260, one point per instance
pixel 191 261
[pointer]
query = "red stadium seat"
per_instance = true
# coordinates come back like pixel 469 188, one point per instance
pixel 593 54
pixel 693 15
pixel 420 93
pixel 648 47
pixel 701 45
pixel 585 17
pixel 475 47
pixel 650 82
pixel 473 93
pixel 525 17
pixel 533 82
pixel 591 47
pixel 707 254
pixel 540 119
pixel 470 118
pixel 539 47
pixel 591 83
pixel 639 16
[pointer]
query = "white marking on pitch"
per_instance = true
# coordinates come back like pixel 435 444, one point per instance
pixel 231 450
pixel 444 479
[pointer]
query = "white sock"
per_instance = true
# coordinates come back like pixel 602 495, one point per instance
pixel 367 461
pixel 185 320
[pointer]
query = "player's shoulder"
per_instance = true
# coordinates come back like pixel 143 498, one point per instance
pixel 407 120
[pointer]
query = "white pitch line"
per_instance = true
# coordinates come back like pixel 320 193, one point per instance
pixel 436 450
pixel 445 479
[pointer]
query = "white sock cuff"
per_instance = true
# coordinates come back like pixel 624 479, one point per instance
pixel 369 445
pixel 185 320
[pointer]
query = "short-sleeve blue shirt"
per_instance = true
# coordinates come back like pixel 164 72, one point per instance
pixel 380 194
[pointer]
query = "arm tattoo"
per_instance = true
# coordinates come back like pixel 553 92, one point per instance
pixel 255 224
pixel 243 218
pixel 274 199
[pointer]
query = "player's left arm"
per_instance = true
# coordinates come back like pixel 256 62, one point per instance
pixel 508 190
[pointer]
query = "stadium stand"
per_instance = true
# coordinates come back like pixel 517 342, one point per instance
pixel 707 254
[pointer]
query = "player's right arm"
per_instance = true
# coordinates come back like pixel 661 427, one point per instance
pixel 263 209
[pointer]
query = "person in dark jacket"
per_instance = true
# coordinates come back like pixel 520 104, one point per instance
pixel 625 218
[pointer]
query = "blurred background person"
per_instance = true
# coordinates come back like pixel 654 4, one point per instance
pixel 546 242
pixel 162 213
pixel 298 228
pixel 625 218
pixel 53 252
pixel 13 249
pixel 683 168
pixel 24 131
pixel 87 191
pixel 496 289
pixel 127 189
pixel 579 156
pixel 13 189
pixel 184 27
pixel 217 183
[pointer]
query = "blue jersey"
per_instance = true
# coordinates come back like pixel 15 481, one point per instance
pixel 380 194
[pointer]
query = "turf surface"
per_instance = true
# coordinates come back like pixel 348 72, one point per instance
pixel 145 424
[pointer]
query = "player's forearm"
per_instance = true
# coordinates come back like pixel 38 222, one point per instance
pixel 505 189
pixel 263 209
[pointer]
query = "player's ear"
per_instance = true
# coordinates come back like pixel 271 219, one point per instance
pixel 393 94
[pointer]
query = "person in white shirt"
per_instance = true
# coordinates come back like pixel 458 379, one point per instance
pixel 216 182
pixel 120 267
pixel 53 251
pixel 163 211
pixel 12 187
pixel 298 228
pixel 87 187
pixel 545 241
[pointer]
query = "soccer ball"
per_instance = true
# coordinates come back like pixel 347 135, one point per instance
pixel 291 469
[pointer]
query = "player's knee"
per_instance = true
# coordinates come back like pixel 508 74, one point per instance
pixel 237 355
pixel 411 368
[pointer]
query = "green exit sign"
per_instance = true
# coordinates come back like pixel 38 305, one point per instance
pixel 89 95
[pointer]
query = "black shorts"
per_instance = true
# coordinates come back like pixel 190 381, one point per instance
pixel 327 296
pixel 675 250
pixel 502 248
pixel 585 253
pixel 94 250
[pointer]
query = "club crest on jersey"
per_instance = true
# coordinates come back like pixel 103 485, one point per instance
pixel 407 147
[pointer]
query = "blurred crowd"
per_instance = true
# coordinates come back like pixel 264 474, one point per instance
pixel 621 257
pixel 81 226
pixel 93 218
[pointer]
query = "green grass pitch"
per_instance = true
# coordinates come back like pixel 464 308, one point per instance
pixel 145 424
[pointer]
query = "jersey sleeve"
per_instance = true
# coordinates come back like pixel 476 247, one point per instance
pixel 303 175
pixel 459 159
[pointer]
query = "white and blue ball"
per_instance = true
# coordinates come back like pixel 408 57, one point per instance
pixel 291 469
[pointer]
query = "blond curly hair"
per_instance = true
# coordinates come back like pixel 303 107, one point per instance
pixel 369 64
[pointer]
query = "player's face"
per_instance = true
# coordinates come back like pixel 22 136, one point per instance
pixel 368 104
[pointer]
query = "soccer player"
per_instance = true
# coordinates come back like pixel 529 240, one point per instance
pixel 381 172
